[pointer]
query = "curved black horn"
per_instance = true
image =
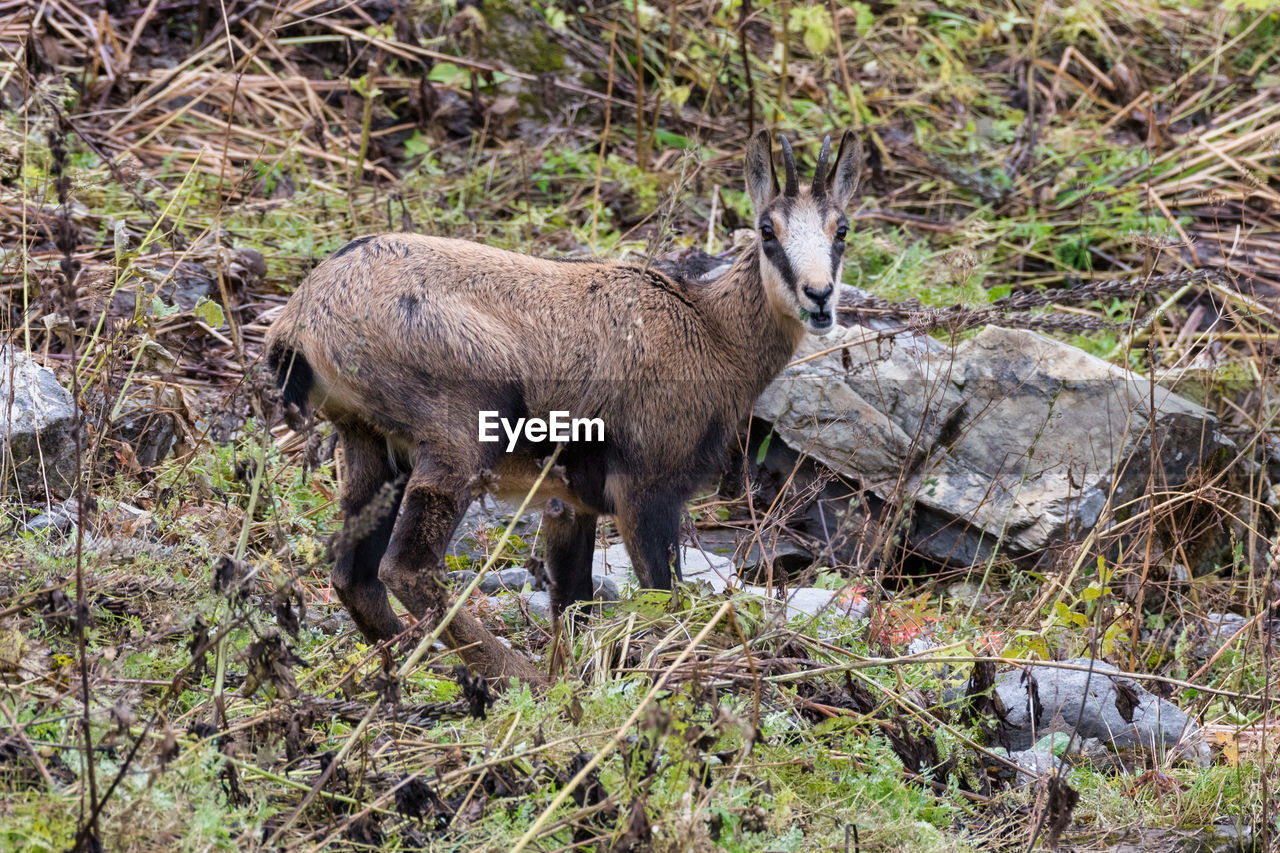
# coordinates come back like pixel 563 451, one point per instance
pixel 789 161
pixel 820 174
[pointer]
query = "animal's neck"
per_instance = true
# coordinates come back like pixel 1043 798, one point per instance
pixel 749 324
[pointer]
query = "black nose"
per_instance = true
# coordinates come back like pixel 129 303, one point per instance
pixel 819 296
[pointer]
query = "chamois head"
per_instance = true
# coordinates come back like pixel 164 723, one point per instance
pixel 802 229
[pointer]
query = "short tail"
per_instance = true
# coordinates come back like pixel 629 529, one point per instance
pixel 294 377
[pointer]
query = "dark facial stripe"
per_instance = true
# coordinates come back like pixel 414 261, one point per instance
pixel 837 251
pixel 778 257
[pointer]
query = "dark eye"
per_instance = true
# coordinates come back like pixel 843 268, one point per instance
pixel 841 233
pixel 766 232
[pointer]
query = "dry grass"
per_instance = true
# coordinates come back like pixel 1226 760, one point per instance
pixel 1104 170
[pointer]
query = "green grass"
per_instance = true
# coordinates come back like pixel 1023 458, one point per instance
pixel 935 85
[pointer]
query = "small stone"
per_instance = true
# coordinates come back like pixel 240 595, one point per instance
pixel 965 591
pixel 540 604
pixel 605 588
pixel 846 606
pixel 334 622
pixel 58 518
pixel 36 443
pixel 695 565
pixel 920 645
pixel 460 579
pixel 1227 835
pixel 1209 634
pixel 509 580
pixel 1034 763
pixel 808 601
pixel 1224 626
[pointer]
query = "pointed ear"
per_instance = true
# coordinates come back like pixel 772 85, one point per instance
pixel 844 178
pixel 762 181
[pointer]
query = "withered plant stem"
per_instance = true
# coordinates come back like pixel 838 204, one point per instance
pixel 87 834
pixel 784 98
pixel 642 149
pixel 366 121
pixel 743 18
pixel 604 139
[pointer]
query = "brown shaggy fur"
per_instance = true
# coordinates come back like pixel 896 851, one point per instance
pixel 401 340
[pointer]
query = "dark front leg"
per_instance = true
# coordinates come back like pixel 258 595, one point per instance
pixel 649 521
pixel 570 540
pixel 370 501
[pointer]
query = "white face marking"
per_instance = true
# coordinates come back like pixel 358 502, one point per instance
pixel 809 248
pixel 807 245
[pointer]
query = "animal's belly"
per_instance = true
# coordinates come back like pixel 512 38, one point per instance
pixel 515 476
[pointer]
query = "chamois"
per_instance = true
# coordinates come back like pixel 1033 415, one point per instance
pixel 403 340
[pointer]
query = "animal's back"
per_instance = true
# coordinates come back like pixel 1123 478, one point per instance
pixel 402 323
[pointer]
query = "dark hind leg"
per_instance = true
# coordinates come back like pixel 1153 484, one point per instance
pixel 570 540
pixel 370 499
pixel 413 567
pixel 649 521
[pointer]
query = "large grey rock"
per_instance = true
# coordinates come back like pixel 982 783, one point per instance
pixel 36 417
pixel 1010 438
pixel 1090 704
